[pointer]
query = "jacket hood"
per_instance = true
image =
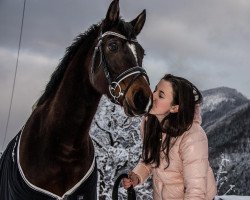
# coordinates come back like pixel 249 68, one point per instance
pixel 197 114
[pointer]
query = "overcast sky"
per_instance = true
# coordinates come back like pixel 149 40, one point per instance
pixel 205 41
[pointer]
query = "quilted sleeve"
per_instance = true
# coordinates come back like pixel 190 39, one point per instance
pixel 143 171
pixel 194 154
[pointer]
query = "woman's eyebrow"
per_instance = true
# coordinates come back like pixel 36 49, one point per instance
pixel 162 92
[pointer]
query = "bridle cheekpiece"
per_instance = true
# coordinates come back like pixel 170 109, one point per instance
pixel 114 84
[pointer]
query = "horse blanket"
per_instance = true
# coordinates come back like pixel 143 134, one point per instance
pixel 14 185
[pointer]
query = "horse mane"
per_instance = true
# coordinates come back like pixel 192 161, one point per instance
pixel 57 75
pixel 84 38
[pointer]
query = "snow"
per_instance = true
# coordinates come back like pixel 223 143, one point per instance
pixel 232 197
pixel 212 101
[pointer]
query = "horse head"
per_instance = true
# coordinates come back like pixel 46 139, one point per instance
pixel 116 68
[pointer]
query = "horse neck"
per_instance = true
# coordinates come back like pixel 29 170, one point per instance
pixel 75 103
pixel 68 114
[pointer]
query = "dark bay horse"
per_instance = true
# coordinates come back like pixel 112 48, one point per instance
pixel 53 154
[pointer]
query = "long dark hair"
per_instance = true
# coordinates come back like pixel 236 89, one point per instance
pixel 186 95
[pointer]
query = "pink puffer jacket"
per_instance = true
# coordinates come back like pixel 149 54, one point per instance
pixel 189 175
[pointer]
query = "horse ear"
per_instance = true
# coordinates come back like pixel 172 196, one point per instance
pixel 113 12
pixel 139 21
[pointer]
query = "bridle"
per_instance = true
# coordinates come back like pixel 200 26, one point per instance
pixel 136 71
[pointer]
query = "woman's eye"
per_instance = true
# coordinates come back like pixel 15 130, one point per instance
pixel 113 46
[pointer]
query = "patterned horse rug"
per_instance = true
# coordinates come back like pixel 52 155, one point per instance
pixel 14 185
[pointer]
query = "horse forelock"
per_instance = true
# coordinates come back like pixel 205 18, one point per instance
pixel 57 76
pixel 126 29
pixel 121 26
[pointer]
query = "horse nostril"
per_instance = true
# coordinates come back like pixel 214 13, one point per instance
pixel 140 100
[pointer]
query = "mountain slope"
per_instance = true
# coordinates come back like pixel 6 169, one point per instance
pixel 226 119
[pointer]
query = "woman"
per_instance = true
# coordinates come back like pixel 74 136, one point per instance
pixel 175 147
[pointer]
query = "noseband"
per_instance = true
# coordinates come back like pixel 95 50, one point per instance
pixel 114 84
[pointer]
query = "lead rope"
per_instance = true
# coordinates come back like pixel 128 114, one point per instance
pixel 130 191
pixel 14 82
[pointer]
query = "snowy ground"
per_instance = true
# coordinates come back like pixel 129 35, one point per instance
pixel 232 197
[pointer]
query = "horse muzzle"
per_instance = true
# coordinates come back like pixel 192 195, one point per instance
pixel 138 104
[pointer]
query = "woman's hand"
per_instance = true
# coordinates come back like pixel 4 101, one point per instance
pixel 132 180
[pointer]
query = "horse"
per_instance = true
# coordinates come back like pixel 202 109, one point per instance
pixel 53 156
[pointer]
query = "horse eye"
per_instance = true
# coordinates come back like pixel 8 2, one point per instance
pixel 113 46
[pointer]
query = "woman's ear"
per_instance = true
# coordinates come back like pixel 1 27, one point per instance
pixel 174 109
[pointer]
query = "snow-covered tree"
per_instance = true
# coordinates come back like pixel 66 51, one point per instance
pixel 118 148
pixel 221 175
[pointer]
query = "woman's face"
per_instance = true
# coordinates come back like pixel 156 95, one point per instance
pixel 162 100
